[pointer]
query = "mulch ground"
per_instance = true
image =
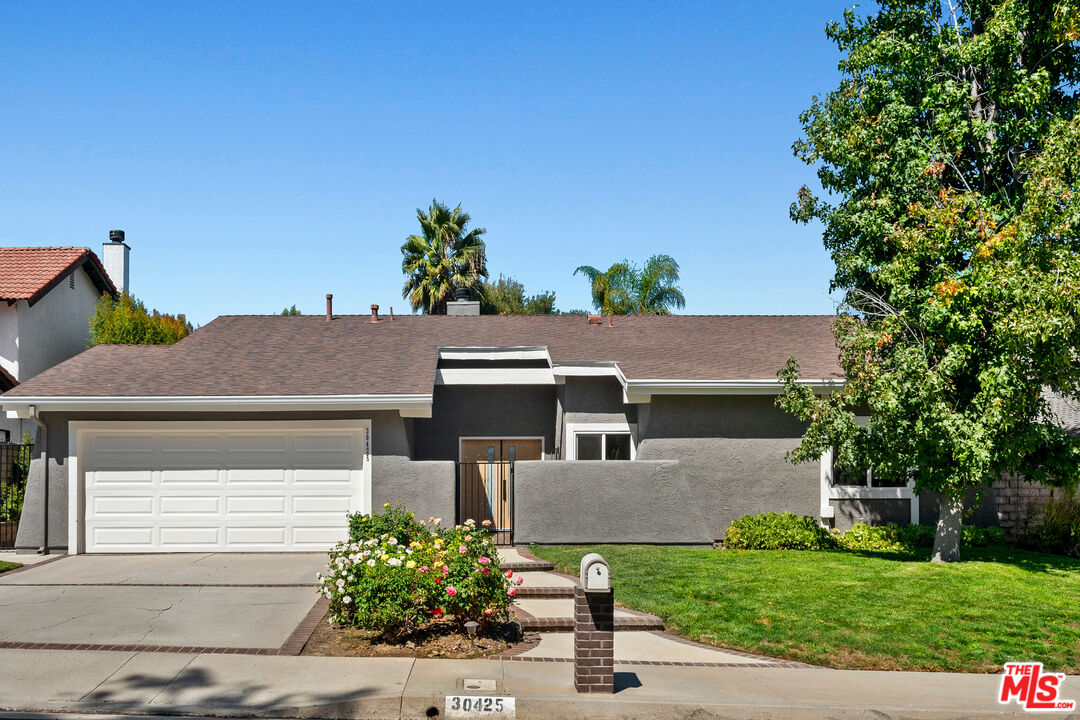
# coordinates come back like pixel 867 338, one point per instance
pixel 437 640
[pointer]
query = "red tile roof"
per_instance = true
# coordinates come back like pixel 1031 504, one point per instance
pixel 305 355
pixel 28 273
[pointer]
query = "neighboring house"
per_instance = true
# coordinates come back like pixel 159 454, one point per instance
pixel 47 295
pixel 259 433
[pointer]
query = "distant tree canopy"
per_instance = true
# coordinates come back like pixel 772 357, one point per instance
pixel 290 311
pixel 126 321
pixel 506 296
pixel 626 289
pixel 445 255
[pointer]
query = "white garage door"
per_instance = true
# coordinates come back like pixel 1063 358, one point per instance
pixel 240 487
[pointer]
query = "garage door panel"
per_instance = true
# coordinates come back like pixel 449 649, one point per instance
pixel 176 537
pixel 239 504
pixel 268 536
pixel 136 537
pixel 262 476
pixel 194 475
pixel 120 477
pixel 285 489
pixel 190 505
pixel 123 505
pixel 315 537
pixel 323 475
pixel 321 505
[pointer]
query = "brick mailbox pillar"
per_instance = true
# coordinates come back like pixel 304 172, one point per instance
pixel 594 635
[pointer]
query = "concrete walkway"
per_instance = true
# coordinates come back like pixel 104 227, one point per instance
pixel 274 686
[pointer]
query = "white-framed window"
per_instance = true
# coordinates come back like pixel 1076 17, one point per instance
pixel 601 441
pixel 839 483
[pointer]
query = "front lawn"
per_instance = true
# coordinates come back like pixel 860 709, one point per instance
pixel 5 566
pixel 870 611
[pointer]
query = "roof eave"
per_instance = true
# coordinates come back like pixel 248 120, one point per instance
pixel 408 405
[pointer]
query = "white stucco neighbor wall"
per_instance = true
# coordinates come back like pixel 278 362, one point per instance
pixel 57 327
pixel 9 338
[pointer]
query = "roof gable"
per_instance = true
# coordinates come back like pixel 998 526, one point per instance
pixel 31 272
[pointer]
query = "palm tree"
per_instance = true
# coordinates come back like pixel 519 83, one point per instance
pixel 624 289
pixel 442 258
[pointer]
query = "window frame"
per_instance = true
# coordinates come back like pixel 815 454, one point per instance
pixel 829 491
pixel 603 429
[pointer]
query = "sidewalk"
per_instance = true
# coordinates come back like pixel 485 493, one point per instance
pixel 303 686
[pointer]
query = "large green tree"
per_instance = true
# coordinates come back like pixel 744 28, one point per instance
pixel 446 255
pixel 948 159
pixel 626 289
pixel 506 296
pixel 126 321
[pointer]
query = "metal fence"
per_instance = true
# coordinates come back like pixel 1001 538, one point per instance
pixel 14 468
pixel 486 493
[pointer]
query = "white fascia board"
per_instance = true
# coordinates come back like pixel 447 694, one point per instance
pixel 641 390
pixel 411 403
pixel 525 352
pixel 586 370
pixel 494 376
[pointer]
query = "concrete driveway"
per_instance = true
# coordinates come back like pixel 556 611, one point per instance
pixel 251 601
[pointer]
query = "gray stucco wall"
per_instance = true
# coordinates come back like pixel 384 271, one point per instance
pixel 484 411
pixel 596 399
pixel 615 502
pixel 872 512
pixel 428 488
pixel 732 451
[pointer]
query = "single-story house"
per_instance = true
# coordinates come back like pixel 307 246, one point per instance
pixel 259 433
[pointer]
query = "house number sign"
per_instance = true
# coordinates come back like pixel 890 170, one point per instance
pixel 479 706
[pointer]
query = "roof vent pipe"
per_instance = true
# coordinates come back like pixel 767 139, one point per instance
pixel 329 307
pixel 595 319
pixel 391 313
pixel 374 313
pixel 609 323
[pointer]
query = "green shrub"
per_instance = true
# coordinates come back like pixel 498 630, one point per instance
pixel 907 538
pixel 1059 529
pixel 397 574
pixel 395 521
pixel 777 531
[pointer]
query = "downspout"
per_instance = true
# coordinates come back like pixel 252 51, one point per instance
pixel 44 549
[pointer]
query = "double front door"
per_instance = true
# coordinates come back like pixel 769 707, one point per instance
pixel 486 479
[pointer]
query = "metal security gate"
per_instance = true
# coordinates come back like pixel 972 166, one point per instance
pixel 14 468
pixel 486 493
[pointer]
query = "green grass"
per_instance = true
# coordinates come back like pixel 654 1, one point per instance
pixel 858 610
pixel 5 566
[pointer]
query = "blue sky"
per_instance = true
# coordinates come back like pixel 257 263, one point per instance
pixel 260 155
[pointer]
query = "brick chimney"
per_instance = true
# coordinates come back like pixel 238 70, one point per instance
pixel 114 256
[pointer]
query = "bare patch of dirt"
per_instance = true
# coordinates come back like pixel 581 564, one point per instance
pixel 436 640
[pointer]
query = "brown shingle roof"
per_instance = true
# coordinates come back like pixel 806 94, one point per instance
pixel 28 273
pixel 305 355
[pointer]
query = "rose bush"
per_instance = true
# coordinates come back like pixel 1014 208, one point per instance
pixel 395 574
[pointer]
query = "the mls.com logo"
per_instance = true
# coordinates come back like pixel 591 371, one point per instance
pixel 1031 688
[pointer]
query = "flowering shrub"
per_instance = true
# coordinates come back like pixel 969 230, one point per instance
pixel 405 574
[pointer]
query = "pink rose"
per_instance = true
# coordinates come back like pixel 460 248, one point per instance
pixel 451 590
pixel 488 612
pixel 520 580
pixel 512 592
pixel 462 550
pixel 423 568
pixel 445 570
pixel 485 571
pixel 484 560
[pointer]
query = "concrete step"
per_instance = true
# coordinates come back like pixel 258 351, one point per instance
pixel 555 613
pixel 541 591
pixel 527 566
pixel 565 624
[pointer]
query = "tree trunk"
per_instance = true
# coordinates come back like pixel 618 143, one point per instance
pixel 947 538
